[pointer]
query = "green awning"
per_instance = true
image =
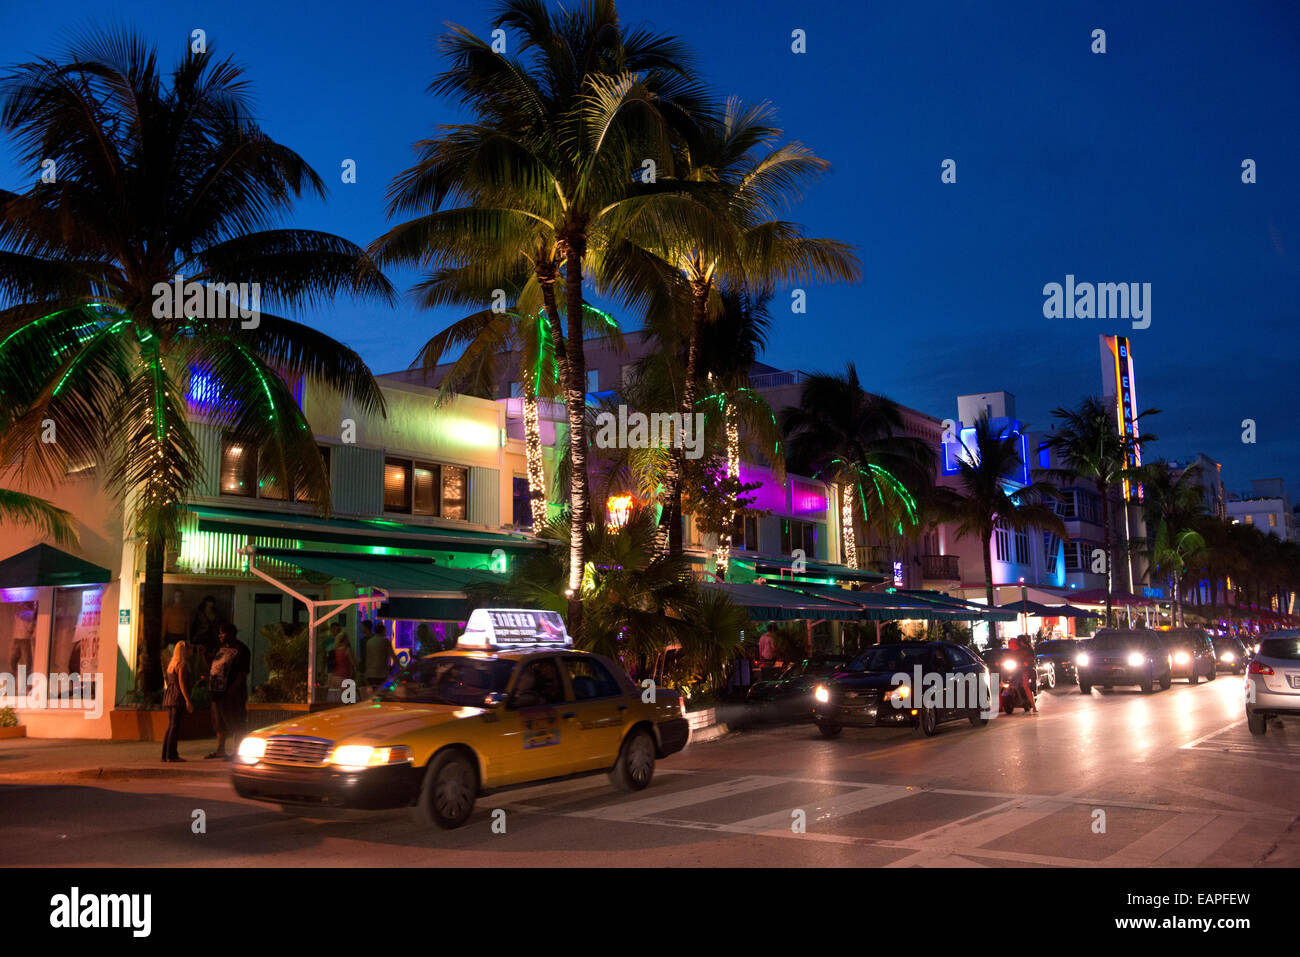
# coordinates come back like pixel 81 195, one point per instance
pixel 812 571
pixel 343 531
pixel 764 602
pixel 393 573
pixel 43 565
pixel 413 608
pixel 967 610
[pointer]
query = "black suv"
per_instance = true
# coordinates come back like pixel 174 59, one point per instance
pixel 1231 655
pixel 1119 657
pixel 865 693
pixel 1192 655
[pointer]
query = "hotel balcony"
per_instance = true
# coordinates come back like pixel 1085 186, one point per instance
pixel 940 567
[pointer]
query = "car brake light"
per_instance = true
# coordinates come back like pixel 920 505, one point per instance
pixel 1258 668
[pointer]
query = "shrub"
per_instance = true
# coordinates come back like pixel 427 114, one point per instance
pixel 286 665
pixel 8 718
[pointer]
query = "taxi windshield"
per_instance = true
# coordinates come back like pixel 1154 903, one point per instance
pixel 448 679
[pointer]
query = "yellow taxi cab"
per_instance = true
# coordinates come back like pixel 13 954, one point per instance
pixel 514 704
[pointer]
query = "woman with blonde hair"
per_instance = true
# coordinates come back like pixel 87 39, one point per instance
pixel 176 696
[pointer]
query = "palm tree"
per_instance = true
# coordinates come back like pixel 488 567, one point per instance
pixel 160 177
pixel 545 166
pixel 1088 443
pixel 49 520
pixel 524 331
pixel 1171 504
pixel 988 497
pixel 727 232
pixel 847 436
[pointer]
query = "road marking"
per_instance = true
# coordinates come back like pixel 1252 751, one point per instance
pixel 1160 840
pixel 860 800
pixel 632 810
pixel 1204 844
pixel 978 830
pixel 1206 737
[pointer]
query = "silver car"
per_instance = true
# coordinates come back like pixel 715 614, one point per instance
pixel 1273 680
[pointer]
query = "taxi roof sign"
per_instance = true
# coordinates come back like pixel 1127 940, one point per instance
pixel 514 628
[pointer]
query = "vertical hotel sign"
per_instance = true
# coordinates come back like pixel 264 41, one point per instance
pixel 1119 364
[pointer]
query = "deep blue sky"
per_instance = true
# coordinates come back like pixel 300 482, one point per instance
pixel 1117 167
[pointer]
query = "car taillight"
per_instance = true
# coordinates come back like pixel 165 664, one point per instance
pixel 1259 668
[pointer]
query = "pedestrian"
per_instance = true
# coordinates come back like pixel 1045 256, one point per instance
pixel 228 683
pixel 378 653
pixel 767 646
pixel 343 663
pixel 176 699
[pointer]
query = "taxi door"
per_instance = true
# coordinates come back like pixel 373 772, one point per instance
pixel 599 712
pixel 536 733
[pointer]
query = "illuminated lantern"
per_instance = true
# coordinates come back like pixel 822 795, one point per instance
pixel 618 508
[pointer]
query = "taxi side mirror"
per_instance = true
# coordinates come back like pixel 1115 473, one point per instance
pixel 494 700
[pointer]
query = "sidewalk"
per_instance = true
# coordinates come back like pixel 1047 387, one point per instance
pixel 35 759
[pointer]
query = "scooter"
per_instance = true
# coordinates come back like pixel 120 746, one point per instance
pixel 1013 690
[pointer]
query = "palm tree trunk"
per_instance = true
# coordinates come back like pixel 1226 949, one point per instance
pixel 846 521
pixel 533 454
pixel 733 471
pixel 150 678
pixel 677 454
pixel 575 395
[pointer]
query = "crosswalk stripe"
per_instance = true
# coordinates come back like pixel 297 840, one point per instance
pixel 835 807
pixel 1204 843
pixel 631 810
pixel 1161 840
pixel 981 830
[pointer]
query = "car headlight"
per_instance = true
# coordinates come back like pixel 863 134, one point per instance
pixel 1181 657
pixel 251 750
pixel 822 694
pixel 357 756
pixel 898 694
pixel 1229 657
pixel 1081 660
pixel 1136 660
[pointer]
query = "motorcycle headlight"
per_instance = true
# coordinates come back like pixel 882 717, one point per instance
pixel 251 750
pixel 822 694
pixel 1009 664
pixel 1081 660
pixel 1136 659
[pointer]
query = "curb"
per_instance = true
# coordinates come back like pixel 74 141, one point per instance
pixel 109 774
pixel 710 733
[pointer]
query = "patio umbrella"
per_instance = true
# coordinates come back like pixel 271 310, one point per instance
pixel 1069 611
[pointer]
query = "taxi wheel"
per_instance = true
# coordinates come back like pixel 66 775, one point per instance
pixel 636 762
pixel 447 796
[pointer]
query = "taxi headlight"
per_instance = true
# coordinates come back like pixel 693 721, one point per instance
pixel 1181 658
pixel 251 750
pixel 357 756
pixel 1135 660
pixel 822 694
pixel 1081 660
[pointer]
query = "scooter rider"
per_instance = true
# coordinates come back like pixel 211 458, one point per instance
pixel 1023 652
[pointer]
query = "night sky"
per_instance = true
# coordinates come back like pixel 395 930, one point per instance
pixel 1117 167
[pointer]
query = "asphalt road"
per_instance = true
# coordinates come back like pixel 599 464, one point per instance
pixel 1117 778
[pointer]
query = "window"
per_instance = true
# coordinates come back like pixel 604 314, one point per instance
pixel 238 469
pixel 74 642
pixel 424 488
pixel 1050 542
pixel 591 679
pixel 538 684
pixel 1250 519
pixel 593 380
pixel 1000 541
pixel 1272 520
pixel 798 535
pixel 522 501
pixel 1022 548
pixel 240 473
pixel 745 535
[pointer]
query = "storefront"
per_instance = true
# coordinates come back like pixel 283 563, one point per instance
pixel 54 647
